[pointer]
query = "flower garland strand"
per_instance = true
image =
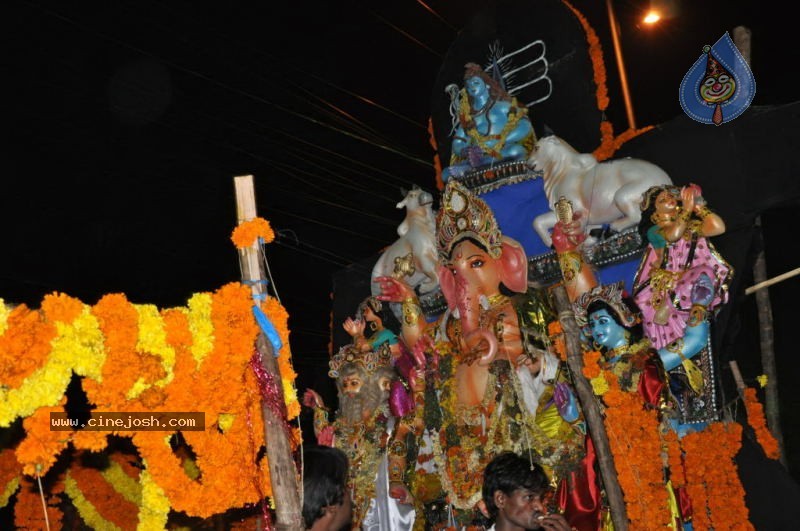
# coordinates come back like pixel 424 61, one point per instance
pixel 712 481
pixel 634 438
pixel 757 421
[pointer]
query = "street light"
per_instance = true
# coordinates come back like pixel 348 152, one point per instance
pixel 651 17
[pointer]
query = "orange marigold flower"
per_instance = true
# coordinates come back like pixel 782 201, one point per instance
pixel 591 364
pixel 247 232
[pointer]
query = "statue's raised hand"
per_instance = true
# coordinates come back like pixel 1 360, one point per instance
pixel 399 492
pixel 568 236
pixel 703 290
pixel 312 399
pixel 565 402
pixel 394 290
pixel 354 327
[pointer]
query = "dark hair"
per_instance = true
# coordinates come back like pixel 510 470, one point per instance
pixel 597 305
pixel 324 480
pixel 648 206
pixel 508 472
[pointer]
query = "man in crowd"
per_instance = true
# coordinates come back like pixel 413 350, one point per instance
pixel 514 492
pixel 326 500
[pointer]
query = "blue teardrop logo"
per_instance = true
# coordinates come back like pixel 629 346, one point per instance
pixel 720 85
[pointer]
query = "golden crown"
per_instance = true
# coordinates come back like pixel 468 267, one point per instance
pixel 370 360
pixel 464 215
pixel 610 294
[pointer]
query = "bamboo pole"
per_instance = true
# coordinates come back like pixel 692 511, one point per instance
pixel 591 410
pixel 282 469
pixel 742 39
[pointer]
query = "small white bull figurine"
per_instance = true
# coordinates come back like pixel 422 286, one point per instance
pixel 413 255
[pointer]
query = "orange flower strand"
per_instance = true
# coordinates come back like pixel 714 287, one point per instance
pixel 636 445
pixel 712 480
pixel 28 508
pixel 757 420
pixel 39 449
pixel 110 504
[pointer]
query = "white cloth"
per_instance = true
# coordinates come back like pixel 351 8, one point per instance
pixel 534 386
pixel 386 513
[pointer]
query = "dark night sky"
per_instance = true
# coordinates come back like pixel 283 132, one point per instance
pixel 127 121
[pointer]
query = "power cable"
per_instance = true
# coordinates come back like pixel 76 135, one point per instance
pixel 230 88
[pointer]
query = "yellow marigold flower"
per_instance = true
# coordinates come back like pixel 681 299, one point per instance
pixel 599 385
pixel 225 421
pixel 762 380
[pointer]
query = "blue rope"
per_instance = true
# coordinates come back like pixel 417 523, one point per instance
pixel 269 329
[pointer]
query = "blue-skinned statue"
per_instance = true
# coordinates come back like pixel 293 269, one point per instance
pixel 491 125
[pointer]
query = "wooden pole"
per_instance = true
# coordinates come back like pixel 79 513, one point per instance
pixel 623 76
pixel 741 37
pixel 591 410
pixel 282 469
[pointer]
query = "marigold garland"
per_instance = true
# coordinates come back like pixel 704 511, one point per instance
pixel 712 481
pixel 9 476
pixel 180 359
pixel 247 232
pixel 633 435
pixel 97 500
pixel 28 508
pixel 757 421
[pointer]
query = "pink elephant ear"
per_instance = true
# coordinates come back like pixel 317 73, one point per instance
pixel 513 266
pixel 447 282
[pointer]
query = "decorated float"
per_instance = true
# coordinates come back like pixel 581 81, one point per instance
pixel 553 298
pixel 545 216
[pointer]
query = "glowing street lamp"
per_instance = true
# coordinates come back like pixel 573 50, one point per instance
pixel 651 17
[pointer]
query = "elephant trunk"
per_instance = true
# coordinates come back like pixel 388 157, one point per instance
pixel 469 310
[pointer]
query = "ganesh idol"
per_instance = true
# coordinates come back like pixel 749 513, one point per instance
pixel 487 380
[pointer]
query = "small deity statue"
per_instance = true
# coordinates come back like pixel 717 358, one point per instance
pixel 492 125
pixel 681 281
pixel 361 429
pixel 370 314
pixel 614 326
pixel 496 387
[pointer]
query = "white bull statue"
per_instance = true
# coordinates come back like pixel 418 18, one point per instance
pixel 605 192
pixel 413 255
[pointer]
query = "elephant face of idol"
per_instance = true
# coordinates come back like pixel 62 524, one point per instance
pixel 473 273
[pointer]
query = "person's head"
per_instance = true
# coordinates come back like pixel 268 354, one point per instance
pixel 605 327
pixel 514 491
pixel 608 316
pixel 363 380
pixel 477 81
pixel 659 203
pixel 474 256
pixel 376 315
pixel 326 500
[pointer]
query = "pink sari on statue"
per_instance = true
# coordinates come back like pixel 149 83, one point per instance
pixel 662 287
